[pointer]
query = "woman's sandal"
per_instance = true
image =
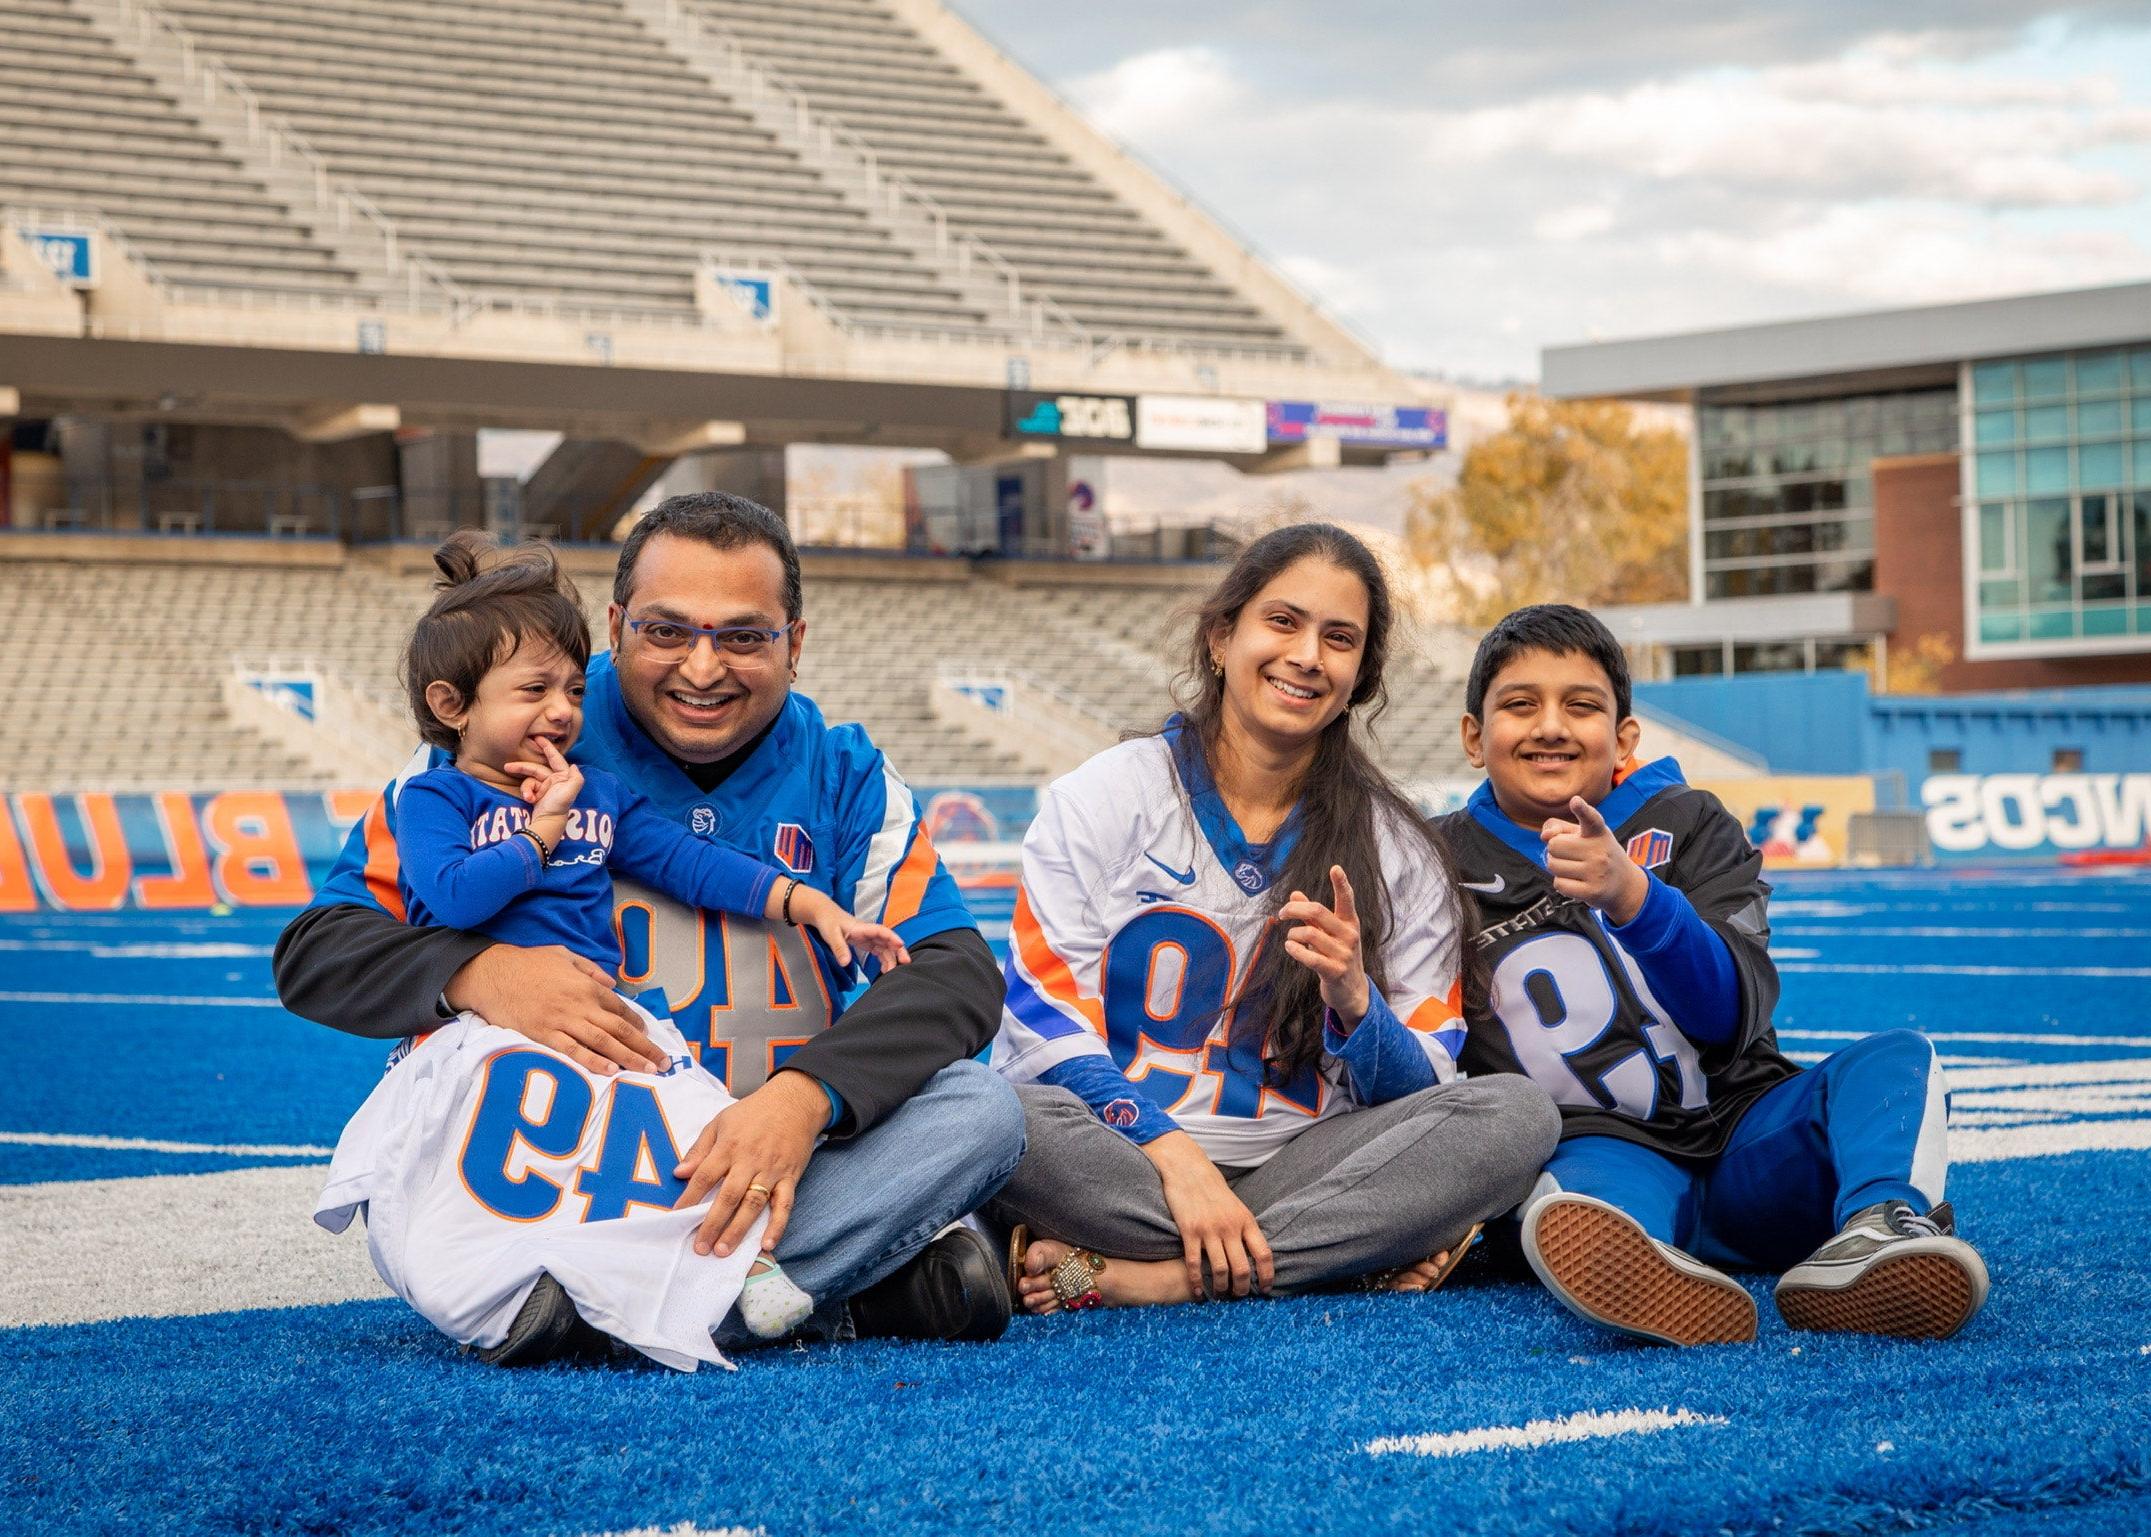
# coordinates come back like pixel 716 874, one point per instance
pixel 1382 1280
pixel 1074 1279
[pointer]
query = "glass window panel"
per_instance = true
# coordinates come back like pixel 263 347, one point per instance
pixel 1997 474
pixel 2001 592
pixel 2140 410
pixel 2140 455
pixel 1843 656
pixel 1799 496
pixel 2046 424
pixel 1829 495
pixel 1830 455
pixel 1994 381
pixel 2105 587
pixel 2053 623
pixel 2095 517
pixel 1860 491
pixel 1698 661
pixel 1995 427
pixel 2140 530
pixel 2098 373
pixel 2105 618
pixel 2045 378
pixel 1843 576
pixel 1859 534
pixel 1893 440
pixel 1994 537
pixel 1863 414
pixel 1795 459
pixel 1798 421
pixel 2097 464
pixel 2140 368
pixel 1764 425
pixel 1998 627
pixel 1770 656
pixel 2046 469
pixel 2098 418
pixel 2047 552
pixel 1829 419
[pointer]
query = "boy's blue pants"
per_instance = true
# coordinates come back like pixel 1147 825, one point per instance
pixel 1862 1126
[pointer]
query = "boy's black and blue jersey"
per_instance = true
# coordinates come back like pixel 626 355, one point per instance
pixel 1610 1020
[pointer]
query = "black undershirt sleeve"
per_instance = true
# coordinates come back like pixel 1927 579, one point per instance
pixel 358 970
pixel 911 1023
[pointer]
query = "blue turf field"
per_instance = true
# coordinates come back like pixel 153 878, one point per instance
pixel 355 1416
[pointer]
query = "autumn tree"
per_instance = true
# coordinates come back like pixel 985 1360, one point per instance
pixel 1572 502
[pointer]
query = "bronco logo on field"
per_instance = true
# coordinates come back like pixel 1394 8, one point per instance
pixel 794 849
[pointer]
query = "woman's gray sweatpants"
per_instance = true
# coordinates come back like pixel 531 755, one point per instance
pixel 1354 1193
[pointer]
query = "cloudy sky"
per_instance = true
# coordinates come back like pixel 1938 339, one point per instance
pixel 1466 183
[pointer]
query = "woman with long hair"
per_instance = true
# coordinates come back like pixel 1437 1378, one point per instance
pixel 1235 986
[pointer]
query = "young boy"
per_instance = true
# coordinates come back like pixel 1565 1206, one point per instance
pixel 1622 926
pixel 511 840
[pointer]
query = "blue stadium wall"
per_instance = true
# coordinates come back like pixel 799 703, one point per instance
pixel 2035 774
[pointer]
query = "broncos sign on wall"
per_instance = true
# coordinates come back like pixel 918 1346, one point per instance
pixel 2036 813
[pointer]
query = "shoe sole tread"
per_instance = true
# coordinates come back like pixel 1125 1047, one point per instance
pixel 1609 1269
pixel 1908 1296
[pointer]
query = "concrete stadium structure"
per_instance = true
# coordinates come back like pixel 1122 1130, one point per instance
pixel 311 248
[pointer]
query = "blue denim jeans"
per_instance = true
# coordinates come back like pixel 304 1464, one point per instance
pixel 866 1205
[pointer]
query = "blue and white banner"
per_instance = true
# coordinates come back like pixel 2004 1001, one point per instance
pixel 70 253
pixel 2036 814
pixel 1367 426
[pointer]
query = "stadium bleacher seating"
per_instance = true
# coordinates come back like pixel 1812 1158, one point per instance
pixel 111 676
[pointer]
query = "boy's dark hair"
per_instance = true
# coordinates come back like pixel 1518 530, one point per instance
pixel 723 522
pixel 486 609
pixel 1557 627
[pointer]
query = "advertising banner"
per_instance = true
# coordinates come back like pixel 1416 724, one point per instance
pixel 1368 426
pixel 1096 419
pixel 1201 424
pixel 1796 820
pixel 1973 816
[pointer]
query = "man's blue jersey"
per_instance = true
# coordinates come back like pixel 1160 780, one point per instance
pixel 820 801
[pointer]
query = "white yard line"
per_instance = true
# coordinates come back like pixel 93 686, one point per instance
pixel 155 1145
pixel 170 1000
pixel 1978 1038
pixel 167 1246
pixel 1905 969
pixel 1939 931
pixel 1532 1434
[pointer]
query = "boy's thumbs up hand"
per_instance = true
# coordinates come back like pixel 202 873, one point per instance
pixel 1588 863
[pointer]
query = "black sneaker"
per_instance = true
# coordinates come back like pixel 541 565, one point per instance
pixel 547 1328
pixel 1888 1271
pixel 953 1289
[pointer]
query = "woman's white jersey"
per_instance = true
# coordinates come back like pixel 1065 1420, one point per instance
pixel 1140 915
pixel 482 1159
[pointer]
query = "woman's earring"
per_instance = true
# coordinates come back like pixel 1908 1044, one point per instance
pixel 1217 667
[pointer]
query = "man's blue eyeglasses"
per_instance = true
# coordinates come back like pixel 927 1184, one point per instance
pixel 670 638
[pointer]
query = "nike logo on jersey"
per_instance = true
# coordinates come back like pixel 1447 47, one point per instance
pixel 1186 878
pixel 1492 888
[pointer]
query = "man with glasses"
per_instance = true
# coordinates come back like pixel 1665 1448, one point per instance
pixel 862 1126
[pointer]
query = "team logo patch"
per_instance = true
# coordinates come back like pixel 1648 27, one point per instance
pixel 1651 848
pixel 704 821
pixel 793 848
pixel 1250 875
pixel 1120 1112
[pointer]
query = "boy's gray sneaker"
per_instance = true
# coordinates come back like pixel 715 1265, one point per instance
pixel 1888 1271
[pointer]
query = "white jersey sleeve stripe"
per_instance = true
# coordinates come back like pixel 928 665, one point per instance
pixel 886 849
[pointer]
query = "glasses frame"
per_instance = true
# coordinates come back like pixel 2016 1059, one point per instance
pixel 697 632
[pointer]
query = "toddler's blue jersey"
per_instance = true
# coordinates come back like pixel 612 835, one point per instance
pixel 819 801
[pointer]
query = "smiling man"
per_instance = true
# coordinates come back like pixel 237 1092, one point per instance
pixel 861 1126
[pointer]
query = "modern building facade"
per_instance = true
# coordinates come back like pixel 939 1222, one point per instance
pixel 1964 488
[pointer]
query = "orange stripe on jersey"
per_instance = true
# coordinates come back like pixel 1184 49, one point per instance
pixel 382 866
pixel 1437 1012
pixel 907 888
pixel 1051 971
pixel 1625 767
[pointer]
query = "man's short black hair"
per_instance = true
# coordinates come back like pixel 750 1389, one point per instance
pixel 723 522
pixel 1559 628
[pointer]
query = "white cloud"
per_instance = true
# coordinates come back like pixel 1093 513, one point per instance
pixel 1149 94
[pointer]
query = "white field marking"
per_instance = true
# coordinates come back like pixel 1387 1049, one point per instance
pixel 173 1245
pixel 1792 955
pixel 689 1529
pixel 2028 1073
pixel 153 1145
pixel 1978 1038
pixel 144 1000
pixel 161 951
pixel 1970 1118
pixel 1592 1426
pixel 1937 931
pixel 1857 969
pixel 1993 1145
pixel 1810 1058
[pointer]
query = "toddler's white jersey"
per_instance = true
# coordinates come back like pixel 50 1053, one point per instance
pixel 482 1159
pixel 1138 920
